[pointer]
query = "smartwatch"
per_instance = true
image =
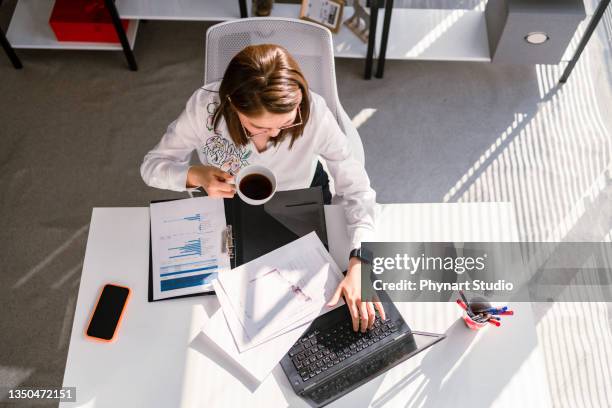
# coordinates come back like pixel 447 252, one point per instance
pixel 363 254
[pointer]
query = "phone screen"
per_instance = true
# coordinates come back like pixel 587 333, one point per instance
pixel 108 312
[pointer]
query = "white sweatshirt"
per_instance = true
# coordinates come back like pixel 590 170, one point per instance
pixel 167 164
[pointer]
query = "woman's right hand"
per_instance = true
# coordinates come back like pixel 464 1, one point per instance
pixel 213 180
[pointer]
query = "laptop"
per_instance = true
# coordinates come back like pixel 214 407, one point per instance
pixel 330 359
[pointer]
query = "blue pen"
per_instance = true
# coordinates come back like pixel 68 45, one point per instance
pixel 496 310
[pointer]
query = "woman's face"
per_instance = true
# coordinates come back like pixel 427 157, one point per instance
pixel 267 124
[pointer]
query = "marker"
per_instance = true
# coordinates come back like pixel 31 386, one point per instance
pixel 507 313
pixel 494 322
pixel 462 304
pixel 469 308
pixel 496 310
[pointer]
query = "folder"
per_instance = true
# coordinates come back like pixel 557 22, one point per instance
pixel 253 231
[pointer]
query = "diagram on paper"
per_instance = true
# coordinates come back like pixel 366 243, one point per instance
pixel 284 290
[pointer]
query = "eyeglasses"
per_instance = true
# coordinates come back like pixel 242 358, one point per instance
pixel 250 135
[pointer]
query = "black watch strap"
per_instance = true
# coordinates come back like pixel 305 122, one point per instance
pixel 363 254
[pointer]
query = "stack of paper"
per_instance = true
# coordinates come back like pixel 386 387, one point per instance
pixel 268 303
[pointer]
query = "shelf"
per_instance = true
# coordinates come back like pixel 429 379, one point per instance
pixel 580 30
pixel 442 35
pixel 346 44
pixel 186 10
pixel 29 28
pixel 415 34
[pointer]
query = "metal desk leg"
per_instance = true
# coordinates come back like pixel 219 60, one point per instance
pixel 10 52
pixel 129 55
pixel 599 12
pixel 371 38
pixel 243 8
pixel 380 68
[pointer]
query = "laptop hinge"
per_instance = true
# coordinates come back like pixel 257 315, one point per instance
pixel 310 386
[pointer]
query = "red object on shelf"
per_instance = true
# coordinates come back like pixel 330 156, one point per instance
pixel 83 21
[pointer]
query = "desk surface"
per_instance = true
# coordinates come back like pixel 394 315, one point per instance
pixel 160 359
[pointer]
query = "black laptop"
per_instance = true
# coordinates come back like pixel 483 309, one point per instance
pixel 330 359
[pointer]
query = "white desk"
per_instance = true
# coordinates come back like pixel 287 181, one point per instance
pixel 160 360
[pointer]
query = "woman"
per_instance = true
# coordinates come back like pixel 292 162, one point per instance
pixel 262 112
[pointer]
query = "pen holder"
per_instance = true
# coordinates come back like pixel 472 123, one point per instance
pixel 473 324
pixel 477 304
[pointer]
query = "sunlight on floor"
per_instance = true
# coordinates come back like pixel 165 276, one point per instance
pixel 553 166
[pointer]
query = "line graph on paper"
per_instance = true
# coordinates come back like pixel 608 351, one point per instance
pixel 274 295
pixel 280 282
pixel 271 294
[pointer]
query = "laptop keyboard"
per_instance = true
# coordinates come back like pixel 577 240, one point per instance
pixel 319 350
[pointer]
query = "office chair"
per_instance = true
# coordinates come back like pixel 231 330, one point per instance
pixel 309 44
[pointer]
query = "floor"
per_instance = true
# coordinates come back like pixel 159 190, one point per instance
pixel 75 126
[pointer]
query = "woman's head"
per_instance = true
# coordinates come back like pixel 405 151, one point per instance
pixel 263 92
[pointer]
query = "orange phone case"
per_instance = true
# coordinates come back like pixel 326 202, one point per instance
pixel 127 299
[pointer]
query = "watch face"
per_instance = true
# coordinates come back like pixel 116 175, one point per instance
pixel 366 255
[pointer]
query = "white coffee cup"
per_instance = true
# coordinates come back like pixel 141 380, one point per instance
pixel 251 170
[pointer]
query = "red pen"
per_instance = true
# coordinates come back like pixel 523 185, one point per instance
pixel 494 322
pixel 462 304
pixel 506 313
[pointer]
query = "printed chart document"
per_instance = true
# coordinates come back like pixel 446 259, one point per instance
pixel 186 242
pixel 277 296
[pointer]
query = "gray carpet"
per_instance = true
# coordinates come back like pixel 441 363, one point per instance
pixel 74 127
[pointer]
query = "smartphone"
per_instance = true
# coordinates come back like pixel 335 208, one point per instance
pixel 108 313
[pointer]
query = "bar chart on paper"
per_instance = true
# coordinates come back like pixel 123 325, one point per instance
pixel 191 225
pixel 186 244
pixel 193 247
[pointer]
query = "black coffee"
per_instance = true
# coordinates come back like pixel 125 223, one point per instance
pixel 256 186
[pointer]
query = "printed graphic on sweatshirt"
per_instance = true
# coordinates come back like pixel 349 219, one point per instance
pixel 225 155
pixel 220 151
pixel 211 108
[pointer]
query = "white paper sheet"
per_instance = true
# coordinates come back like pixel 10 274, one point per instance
pixel 241 339
pixel 282 287
pixel 258 361
pixel 186 240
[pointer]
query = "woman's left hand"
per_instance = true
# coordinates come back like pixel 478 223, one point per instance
pixel 350 287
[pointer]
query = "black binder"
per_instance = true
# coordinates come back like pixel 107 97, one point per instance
pixel 253 231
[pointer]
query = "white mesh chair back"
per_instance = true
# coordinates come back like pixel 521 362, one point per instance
pixel 310 45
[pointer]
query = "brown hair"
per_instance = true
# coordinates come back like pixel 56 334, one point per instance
pixel 262 78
